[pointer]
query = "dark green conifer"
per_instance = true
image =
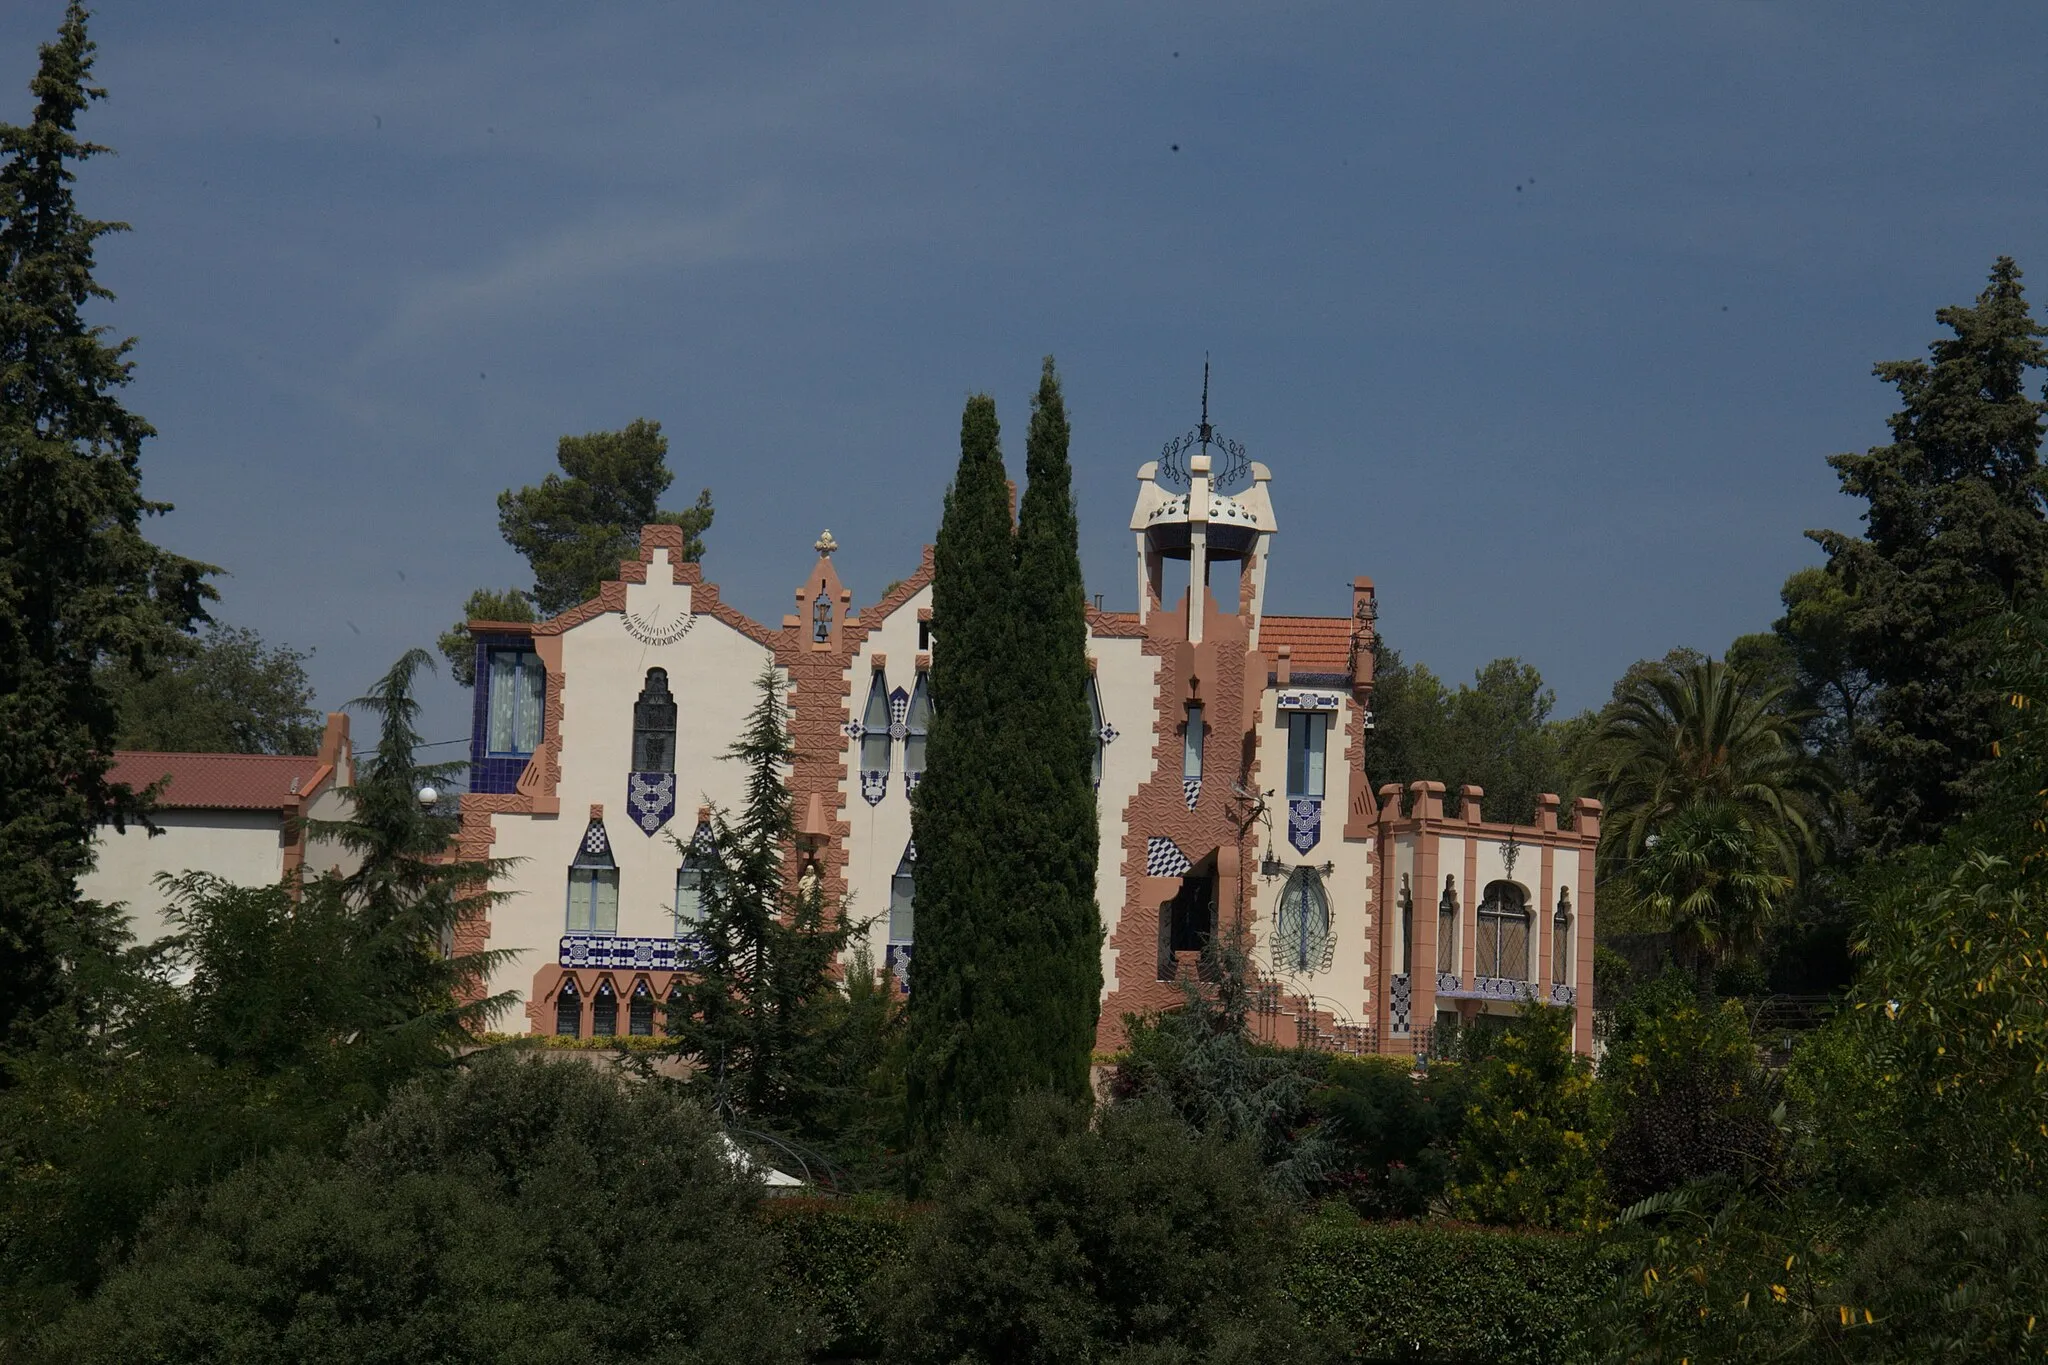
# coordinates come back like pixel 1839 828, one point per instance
pixel 79 584
pixel 1057 936
pixel 961 814
pixel 1955 529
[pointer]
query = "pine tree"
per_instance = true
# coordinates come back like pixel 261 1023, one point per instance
pixel 755 1011
pixel 79 584
pixel 961 813
pixel 1955 529
pixel 1055 978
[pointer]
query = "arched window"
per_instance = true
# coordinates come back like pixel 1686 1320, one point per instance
pixel 593 885
pixel 654 726
pixel 1561 945
pixel 821 619
pixel 1095 726
pixel 690 882
pixel 673 1010
pixel 568 1009
pixel 604 1012
pixel 1301 929
pixel 640 1014
pixel 903 899
pixel 1502 949
pixel 874 741
pixel 917 728
pixel 1447 929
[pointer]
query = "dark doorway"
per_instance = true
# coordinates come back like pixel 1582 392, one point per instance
pixel 1187 922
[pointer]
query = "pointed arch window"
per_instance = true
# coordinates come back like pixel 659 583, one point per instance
pixel 874 741
pixel 640 1012
pixel 1301 928
pixel 569 1009
pixel 821 619
pixel 1447 931
pixel 690 881
pixel 1502 949
pixel 1561 945
pixel 604 1012
pixel 903 899
pixel 593 885
pixel 917 728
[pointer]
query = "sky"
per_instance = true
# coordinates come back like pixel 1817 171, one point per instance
pixel 1545 317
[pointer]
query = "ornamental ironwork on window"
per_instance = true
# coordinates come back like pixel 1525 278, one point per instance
pixel 1301 926
pixel 1502 948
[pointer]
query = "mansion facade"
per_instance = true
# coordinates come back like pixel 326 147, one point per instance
pixel 1232 757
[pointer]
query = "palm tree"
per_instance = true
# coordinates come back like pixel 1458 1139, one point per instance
pixel 1679 738
pixel 1712 805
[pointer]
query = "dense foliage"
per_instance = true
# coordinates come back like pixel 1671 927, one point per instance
pixel 492 1216
pixel 221 692
pixel 79 583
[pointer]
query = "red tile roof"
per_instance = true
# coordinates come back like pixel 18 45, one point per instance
pixel 1319 644
pixel 219 781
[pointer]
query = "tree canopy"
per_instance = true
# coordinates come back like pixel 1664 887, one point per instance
pixel 222 692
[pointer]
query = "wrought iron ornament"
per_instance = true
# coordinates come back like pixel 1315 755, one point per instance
pixel 1233 468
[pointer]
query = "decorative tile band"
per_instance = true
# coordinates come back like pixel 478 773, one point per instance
pixel 1398 1002
pixel 604 951
pixel 1561 994
pixel 1301 699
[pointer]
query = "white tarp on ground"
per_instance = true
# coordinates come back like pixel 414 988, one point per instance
pixel 743 1161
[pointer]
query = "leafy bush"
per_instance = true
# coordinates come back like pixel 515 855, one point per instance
pixel 1422 1291
pixel 1528 1154
pixel 527 1210
pixel 1392 1132
pixel 1136 1241
pixel 834 1254
pixel 1688 1096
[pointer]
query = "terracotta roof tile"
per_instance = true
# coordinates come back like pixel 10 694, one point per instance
pixel 1320 644
pixel 218 781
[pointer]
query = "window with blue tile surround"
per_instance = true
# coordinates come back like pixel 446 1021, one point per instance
pixel 507 711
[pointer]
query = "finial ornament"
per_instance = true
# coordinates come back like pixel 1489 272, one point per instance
pixel 1176 460
pixel 825 545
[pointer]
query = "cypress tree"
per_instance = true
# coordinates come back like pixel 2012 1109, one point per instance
pixel 960 814
pixel 1056 960
pixel 1955 529
pixel 79 584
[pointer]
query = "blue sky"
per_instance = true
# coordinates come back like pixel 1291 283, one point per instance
pixel 1544 316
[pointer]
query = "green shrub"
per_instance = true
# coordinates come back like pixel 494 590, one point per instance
pixel 1527 1154
pixel 1429 1292
pixel 834 1255
pixel 1392 1132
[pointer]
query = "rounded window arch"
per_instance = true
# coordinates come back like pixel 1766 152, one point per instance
pixel 1502 949
pixel 1301 928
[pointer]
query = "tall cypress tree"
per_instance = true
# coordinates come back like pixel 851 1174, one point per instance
pixel 1056 942
pixel 1955 529
pixel 79 584
pixel 961 812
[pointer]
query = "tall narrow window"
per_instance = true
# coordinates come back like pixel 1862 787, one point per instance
pixel 1502 949
pixel 821 619
pixel 903 899
pixel 1561 945
pixel 640 1013
pixel 518 687
pixel 917 728
pixel 1301 929
pixel 1191 747
pixel 1095 725
pixel 594 885
pixel 1307 736
pixel 568 1009
pixel 654 726
pixel 690 882
pixel 874 741
pixel 604 1012
pixel 1407 926
pixel 1447 929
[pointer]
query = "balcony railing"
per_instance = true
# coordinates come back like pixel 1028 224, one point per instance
pixel 611 952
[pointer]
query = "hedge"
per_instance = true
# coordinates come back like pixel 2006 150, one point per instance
pixel 1389 1291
